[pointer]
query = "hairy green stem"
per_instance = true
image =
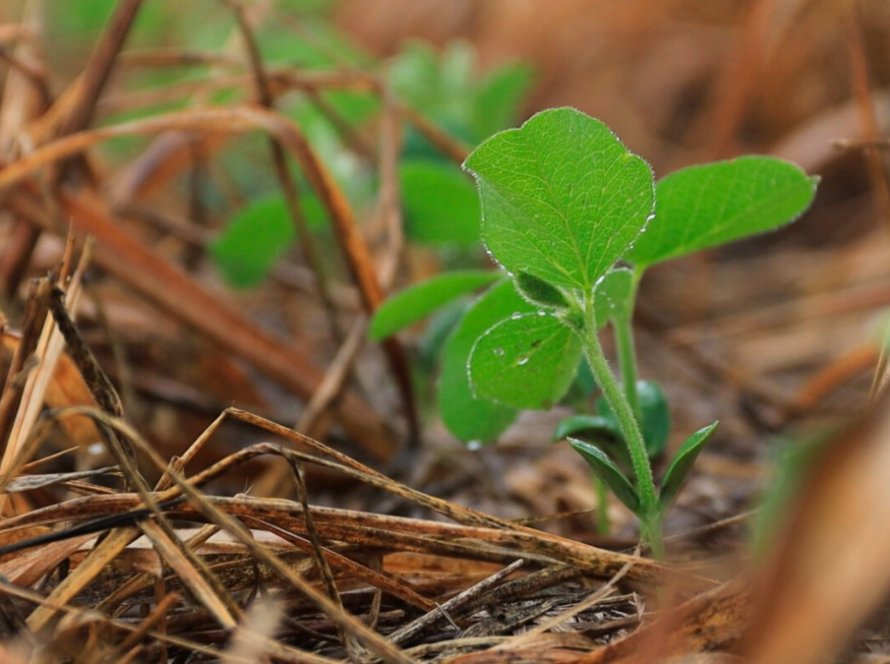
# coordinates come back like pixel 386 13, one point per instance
pixel 627 361
pixel 624 343
pixel 649 508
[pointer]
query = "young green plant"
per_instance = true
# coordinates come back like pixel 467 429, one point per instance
pixel 574 219
pixel 439 203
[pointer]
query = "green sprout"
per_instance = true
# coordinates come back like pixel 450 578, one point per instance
pixel 575 219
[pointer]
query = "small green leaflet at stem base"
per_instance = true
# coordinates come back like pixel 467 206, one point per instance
pixel 713 204
pixel 594 425
pixel 526 361
pixel 609 473
pixel 599 431
pixel 682 464
pixel 420 300
pixel 613 296
pixel 465 415
pixel 562 198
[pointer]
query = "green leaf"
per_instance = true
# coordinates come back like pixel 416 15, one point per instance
pixel 598 431
pixel 465 415
pixel 456 74
pixel 583 385
pixel 441 206
pixel 562 198
pixel 329 47
pixel 613 295
pixel 255 237
pixel 609 473
pixel 416 147
pixel 326 138
pixel 443 87
pixel 437 330
pixel 539 292
pixel 497 100
pixel 418 301
pixel 655 414
pixel 682 464
pixel 705 206
pixel 440 86
pixel 590 425
pixel 414 75
pixel 526 361
pixel 81 18
pixel 585 380
pixel 353 107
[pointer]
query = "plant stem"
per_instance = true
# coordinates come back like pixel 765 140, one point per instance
pixel 624 343
pixel 627 361
pixel 651 533
pixel 630 430
pixel 603 526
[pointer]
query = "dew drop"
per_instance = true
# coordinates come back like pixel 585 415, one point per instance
pixel 474 445
pixel 522 361
pixel 499 352
pixel 516 316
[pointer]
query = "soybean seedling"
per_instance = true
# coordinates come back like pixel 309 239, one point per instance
pixel 575 219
